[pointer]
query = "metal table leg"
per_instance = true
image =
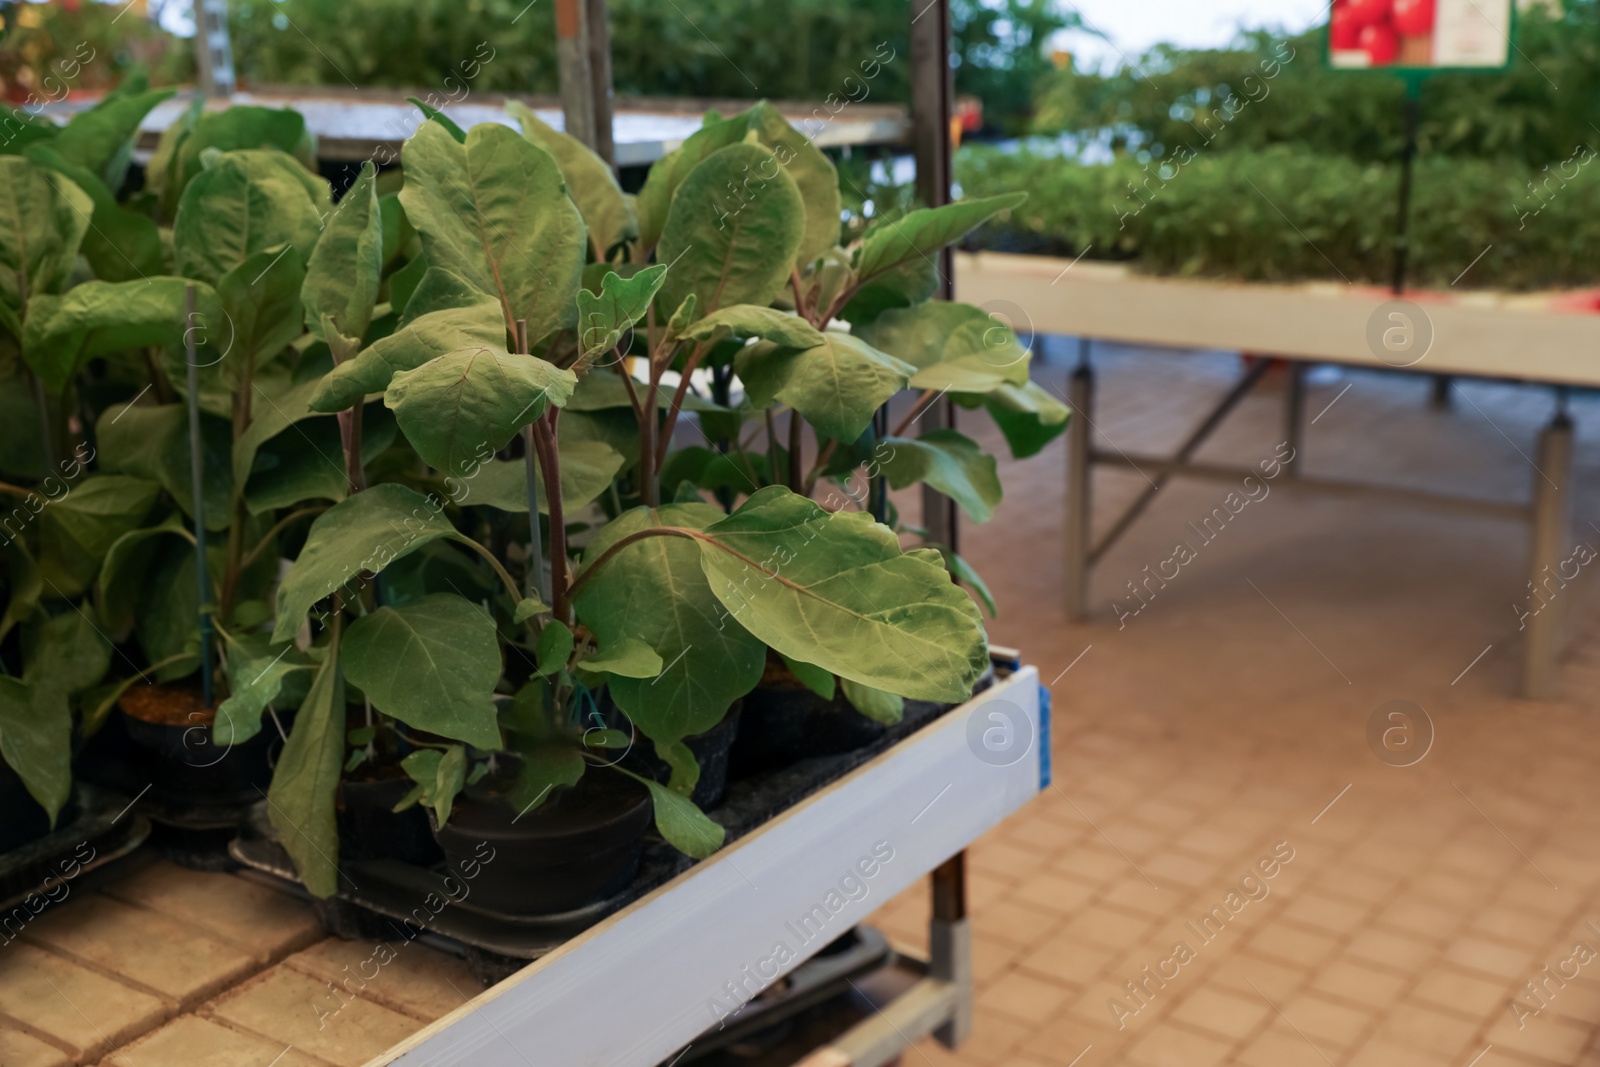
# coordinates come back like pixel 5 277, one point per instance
pixel 1551 503
pixel 1080 396
pixel 950 939
pixel 1294 415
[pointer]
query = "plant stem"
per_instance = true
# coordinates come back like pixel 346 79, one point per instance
pixel 499 568
pixel 772 448
pixel 550 461
pixel 823 455
pixel 533 581
pixel 928 397
pixel 197 485
pixel 158 378
pixel 795 426
pixel 649 487
pixel 277 528
pixel 799 294
pixel 689 367
pixel 46 423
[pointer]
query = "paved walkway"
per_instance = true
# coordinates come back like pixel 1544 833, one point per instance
pixel 1224 871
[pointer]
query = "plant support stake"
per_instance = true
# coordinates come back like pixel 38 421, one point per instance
pixel 197 483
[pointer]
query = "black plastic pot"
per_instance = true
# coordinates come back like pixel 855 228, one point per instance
pixel 185 762
pixel 370 828
pixel 22 820
pixel 580 846
pixel 713 751
pixel 783 722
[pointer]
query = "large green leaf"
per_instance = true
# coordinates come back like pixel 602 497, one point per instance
pixel 152 441
pixel 955 347
pixel 100 138
pixel 753 320
pixel 261 300
pixel 661 184
pixel 685 827
pixel 813 173
pixel 1027 415
pixel 835 590
pixel 652 591
pixel 875 704
pixel 231 129
pixel 120 245
pixel 342 277
pixel 65 656
pixel 306 462
pixel 495 211
pixel 301 799
pixel 366 532
pixel 836 385
pixel 951 463
pixel 127 563
pixel 919 234
pixel 605 211
pixel 432 664
pixel 423 338
pixel 462 407
pixel 253 682
pixel 43 218
pixel 79 528
pixel 98 318
pixel 726 247
pixel 166 608
pixel 274 409
pixel 243 203
pixel 587 470
pixel 621 302
pixel 36 741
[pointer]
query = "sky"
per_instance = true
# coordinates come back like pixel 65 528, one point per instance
pixel 1135 25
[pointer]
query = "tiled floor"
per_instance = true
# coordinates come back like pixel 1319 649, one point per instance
pixel 1225 726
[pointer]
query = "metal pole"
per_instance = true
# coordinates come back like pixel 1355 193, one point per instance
pixel 1294 415
pixel 577 82
pixel 932 104
pixel 1408 155
pixel 950 941
pixel 1081 400
pixel 213 49
pixel 1551 499
pixel 598 24
pixel 197 483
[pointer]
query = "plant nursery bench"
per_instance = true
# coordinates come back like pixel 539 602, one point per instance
pixel 1543 338
pixel 252 976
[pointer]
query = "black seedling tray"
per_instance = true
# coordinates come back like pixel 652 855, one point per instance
pixel 105 830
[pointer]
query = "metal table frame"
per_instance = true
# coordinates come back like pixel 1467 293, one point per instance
pixel 1547 511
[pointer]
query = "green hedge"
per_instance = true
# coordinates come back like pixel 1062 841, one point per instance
pixel 1282 214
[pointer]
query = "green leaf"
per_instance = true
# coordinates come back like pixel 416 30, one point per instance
pixel 963 572
pixel 253 684
pixel 661 184
pixel 343 275
pixel 814 678
pixel 432 664
pixel 603 319
pixel 813 173
pixel 120 245
pixel 43 218
pixel 652 591
pixel 305 463
pixel 1027 415
pixel 79 528
pixel 921 233
pixel 94 319
pixel 261 300
pixel 545 768
pixel 302 796
pixel 152 441
pixel 366 532
pixel 36 742
pixel 875 704
pixel 423 338
pixel 246 202
pixel 836 385
pixel 65 656
pixel 528 607
pixel 955 347
pixel 587 470
pixel 750 320
pixel 127 562
pixel 233 128
pixel 949 462
pixel 435 115
pixel 726 247
pixel 494 211
pixel 100 138
pixel 684 767
pixel 439 777
pixel 685 827
pixel 555 648
pixel 626 658
pixel 590 182
pixel 461 408
pixel 835 590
